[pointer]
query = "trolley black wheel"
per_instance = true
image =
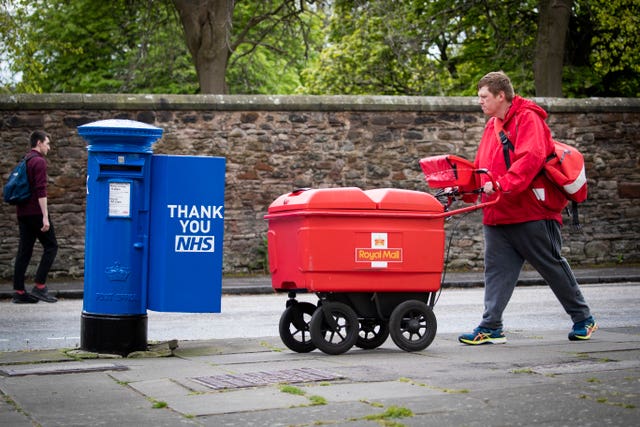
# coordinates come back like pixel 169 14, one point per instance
pixel 412 325
pixel 373 333
pixel 334 327
pixel 294 327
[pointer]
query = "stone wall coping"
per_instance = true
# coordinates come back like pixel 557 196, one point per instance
pixel 77 101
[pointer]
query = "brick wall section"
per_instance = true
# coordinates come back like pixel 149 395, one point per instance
pixel 275 144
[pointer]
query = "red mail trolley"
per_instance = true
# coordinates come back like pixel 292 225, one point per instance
pixel 374 259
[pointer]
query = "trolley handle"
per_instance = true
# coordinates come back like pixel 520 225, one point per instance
pixel 455 193
pixel 490 176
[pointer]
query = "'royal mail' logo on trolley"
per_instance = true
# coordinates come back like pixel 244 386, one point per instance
pixel 371 255
pixel 379 254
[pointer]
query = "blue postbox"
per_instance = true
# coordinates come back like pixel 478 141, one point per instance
pixel 153 238
pixel 114 317
pixel 186 234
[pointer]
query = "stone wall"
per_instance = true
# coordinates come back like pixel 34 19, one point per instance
pixel 275 144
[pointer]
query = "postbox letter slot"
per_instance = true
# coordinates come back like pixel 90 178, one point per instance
pixel 121 168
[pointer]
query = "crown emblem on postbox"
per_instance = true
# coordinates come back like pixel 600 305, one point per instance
pixel 117 273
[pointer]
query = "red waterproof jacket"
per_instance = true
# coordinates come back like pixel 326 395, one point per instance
pixel 527 195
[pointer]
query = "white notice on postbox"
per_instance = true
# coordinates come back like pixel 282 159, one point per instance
pixel 119 199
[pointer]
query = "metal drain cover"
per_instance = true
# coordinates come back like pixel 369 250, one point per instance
pixel 255 379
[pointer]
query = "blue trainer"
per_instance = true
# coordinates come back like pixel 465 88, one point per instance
pixel 583 330
pixel 482 335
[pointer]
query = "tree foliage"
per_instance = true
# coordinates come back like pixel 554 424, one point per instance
pixel 442 47
pixel 88 46
pixel 382 47
pixel 417 47
pixel 603 54
pixel 138 46
pixel 271 43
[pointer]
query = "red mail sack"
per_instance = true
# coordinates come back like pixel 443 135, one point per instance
pixel 565 167
pixel 448 170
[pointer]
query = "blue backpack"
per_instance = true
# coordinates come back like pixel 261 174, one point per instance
pixel 17 190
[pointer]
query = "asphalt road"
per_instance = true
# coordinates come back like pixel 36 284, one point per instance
pixel 51 326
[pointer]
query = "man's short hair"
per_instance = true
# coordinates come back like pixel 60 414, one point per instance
pixel 496 82
pixel 36 136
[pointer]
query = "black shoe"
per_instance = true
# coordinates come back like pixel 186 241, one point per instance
pixel 24 298
pixel 43 294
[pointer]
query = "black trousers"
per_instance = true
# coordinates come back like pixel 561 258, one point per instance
pixel 30 231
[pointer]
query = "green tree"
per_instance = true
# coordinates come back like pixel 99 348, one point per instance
pixel 140 46
pixel 442 47
pixel 498 35
pixel 417 47
pixel 250 47
pixel 274 45
pixel 603 52
pixel 87 46
pixel 377 47
pixel 382 47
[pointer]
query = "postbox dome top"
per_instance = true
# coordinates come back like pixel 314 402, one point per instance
pixel 119 123
pixel 116 134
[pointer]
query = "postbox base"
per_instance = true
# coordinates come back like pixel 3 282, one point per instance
pixel 113 334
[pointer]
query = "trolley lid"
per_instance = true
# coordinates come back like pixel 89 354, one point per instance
pixel 323 198
pixel 353 198
pixel 404 200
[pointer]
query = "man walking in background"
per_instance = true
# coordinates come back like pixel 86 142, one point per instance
pixel 34 223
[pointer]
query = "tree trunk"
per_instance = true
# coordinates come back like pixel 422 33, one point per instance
pixel 553 24
pixel 207 29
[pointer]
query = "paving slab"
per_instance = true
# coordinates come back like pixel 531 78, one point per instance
pixel 85 399
pixel 60 368
pixel 12 416
pixel 331 414
pixel 34 356
pixel 182 400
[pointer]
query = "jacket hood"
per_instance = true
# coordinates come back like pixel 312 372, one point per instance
pixel 519 104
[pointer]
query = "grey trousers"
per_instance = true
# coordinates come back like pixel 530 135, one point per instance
pixel 507 247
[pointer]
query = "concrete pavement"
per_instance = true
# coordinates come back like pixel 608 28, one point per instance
pixel 534 379
pixel 537 378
